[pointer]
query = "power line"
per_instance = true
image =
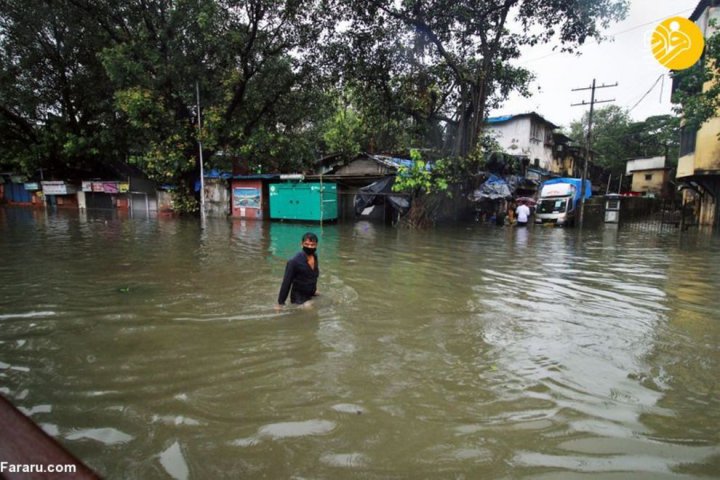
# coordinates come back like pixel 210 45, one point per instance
pixel 647 93
pixel 614 34
pixel 653 21
pixel 588 138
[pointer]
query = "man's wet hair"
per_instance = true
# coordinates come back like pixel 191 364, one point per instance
pixel 311 237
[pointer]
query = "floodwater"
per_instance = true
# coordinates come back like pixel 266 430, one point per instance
pixel 150 349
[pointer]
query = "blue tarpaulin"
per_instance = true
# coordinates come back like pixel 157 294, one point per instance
pixel 501 119
pixel 576 182
pixel 214 174
pixel 494 188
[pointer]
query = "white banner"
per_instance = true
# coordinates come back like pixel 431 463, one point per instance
pixel 57 188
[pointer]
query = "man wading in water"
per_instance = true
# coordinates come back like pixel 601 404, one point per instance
pixel 301 274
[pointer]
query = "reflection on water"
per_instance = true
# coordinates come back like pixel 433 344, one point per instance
pixel 151 349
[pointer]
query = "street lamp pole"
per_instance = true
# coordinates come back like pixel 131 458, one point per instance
pixel 202 171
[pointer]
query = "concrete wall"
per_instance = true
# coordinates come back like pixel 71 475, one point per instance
pixel 706 157
pixel 514 136
pixel 164 201
pixel 707 210
pixel 217 198
pixel 686 166
pixel 652 163
pixel 707 146
pixel 565 166
pixel 657 183
pixel 705 160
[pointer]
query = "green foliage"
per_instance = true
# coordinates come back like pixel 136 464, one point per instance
pixel 419 179
pixel 86 86
pixel 55 99
pixel 616 139
pixel 184 201
pixel 442 64
pixel 343 133
pixel 696 104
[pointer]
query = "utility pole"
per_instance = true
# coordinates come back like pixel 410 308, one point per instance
pixel 588 138
pixel 202 172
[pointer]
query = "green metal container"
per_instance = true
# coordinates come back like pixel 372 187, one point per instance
pixel 304 201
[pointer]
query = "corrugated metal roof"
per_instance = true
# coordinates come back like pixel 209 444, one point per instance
pixel 259 176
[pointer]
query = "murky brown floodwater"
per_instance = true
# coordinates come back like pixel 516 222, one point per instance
pixel 151 349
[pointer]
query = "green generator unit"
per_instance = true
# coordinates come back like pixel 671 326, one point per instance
pixel 312 201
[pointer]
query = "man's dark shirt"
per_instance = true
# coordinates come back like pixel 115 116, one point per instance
pixel 301 278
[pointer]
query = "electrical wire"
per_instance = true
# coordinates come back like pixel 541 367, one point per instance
pixel 614 34
pixel 647 93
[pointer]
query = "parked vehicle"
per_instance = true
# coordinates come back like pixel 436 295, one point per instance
pixel 559 201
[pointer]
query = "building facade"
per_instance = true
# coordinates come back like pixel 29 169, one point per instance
pixel 527 135
pixel 698 169
pixel 649 176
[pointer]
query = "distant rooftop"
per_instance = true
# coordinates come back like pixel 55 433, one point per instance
pixel 507 118
pixel 640 164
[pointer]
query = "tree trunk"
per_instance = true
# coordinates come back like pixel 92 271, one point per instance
pixel 472 117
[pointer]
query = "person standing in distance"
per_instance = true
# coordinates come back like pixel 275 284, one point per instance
pixel 301 274
pixel 523 212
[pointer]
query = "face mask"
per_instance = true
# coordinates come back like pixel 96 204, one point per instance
pixel 309 250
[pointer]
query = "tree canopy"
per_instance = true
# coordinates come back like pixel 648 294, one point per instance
pixel 92 86
pixel 617 139
pixel 449 61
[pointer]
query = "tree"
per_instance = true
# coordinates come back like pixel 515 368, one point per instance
pixel 56 107
pixel 616 139
pixel 255 64
pixel 422 182
pixel 658 135
pixel 449 61
pixel 87 83
pixel 342 132
pixel 610 139
pixel 694 105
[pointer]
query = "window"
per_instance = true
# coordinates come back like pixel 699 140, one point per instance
pixel 535 130
pixel 687 140
pixel 648 176
pixel 552 206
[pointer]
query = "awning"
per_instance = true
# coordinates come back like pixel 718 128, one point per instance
pixel 374 194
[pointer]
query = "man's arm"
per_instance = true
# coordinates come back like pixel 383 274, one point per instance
pixel 286 283
pixel 317 266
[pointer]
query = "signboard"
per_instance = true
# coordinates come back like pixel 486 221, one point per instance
pixel 32 186
pixel 97 187
pixel 57 188
pixel 87 186
pixel 246 197
pixel 557 190
pixel 110 187
pixel 533 175
pixel 123 187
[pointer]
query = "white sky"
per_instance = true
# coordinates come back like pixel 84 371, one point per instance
pixel 624 58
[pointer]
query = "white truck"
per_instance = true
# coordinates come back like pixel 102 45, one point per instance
pixel 559 201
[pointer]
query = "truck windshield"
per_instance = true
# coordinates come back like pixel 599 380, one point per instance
pixel 552 206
